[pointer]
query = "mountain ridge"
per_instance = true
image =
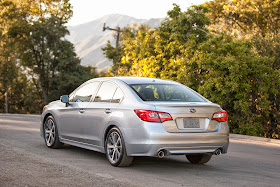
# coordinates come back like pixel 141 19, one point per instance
pixel 89 38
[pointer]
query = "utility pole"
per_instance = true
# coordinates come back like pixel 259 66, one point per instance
pixel 117 29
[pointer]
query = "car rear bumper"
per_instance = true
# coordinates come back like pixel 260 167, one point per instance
pixel 154 138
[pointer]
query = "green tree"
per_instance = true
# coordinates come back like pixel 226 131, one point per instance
pixel 9 15
pixel 254 20
pixel 226 70
pixel 165 52
pixel 42 42
pixel 69 73
pixel 243 83
pixel 248 17
pixel 35 55
pixel 114 54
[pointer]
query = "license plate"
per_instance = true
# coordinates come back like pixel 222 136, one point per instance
pixel 191 123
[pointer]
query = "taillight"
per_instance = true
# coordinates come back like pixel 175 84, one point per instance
pixel 45 107
pixel 153 116
pixel 220 116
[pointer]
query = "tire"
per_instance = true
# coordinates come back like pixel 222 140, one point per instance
pixel 199 158
pixel 51 136
pixel 115 149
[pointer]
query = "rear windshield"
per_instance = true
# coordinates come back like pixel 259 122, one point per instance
pixel 166 92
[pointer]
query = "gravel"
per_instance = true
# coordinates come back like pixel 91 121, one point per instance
pixel 20 169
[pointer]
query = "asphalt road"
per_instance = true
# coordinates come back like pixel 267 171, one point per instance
pixel 26 161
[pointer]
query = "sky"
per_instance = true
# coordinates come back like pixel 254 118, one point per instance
pixel 88 10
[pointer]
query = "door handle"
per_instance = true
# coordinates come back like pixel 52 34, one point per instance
pixel 81 110
pixel 108 111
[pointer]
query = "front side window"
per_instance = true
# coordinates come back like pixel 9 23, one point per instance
pixel 105 92
pixel 166 92
pixel 84 93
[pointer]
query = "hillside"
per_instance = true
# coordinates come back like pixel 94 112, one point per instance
pixel 89 38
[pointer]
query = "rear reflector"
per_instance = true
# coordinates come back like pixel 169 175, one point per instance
pixel 220 116
pixel 153 116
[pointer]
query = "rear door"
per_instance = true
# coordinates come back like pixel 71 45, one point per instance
pixel 98 113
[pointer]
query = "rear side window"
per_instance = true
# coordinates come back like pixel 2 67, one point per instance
pixel 166 92
pixel 84 93
pixel 118 96
pixel 105 92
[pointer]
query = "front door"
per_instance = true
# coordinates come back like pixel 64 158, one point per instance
pixel 71 117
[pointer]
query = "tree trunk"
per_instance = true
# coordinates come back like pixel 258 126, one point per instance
pixel 6 101
pixel 45 95
pixel 6 96
pixel 44 86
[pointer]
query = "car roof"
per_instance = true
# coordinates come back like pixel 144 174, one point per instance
pixel 141 80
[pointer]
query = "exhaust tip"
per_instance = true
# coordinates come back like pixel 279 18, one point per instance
pixel 218 152
pixel 161 154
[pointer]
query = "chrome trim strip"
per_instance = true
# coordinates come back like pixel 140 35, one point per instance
pixel 80 142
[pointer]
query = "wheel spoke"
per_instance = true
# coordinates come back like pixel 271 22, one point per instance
pixel 110 146
pixel 49 138
pixel 113 155
pixel 111 139
pixel 49 124
pixel 117 154
pixel 114 138
pixel 47 131
pixel 52 138
pixel 118 141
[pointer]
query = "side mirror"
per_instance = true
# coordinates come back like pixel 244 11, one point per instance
pixel 65 99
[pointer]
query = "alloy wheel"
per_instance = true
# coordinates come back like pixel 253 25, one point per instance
pixel 114 147
pixel 49 128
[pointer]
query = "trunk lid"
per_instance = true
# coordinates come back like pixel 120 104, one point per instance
pixel 189 116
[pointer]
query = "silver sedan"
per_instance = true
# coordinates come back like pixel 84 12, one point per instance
pixel 125 117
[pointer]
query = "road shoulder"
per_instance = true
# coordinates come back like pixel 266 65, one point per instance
pixel 253 139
